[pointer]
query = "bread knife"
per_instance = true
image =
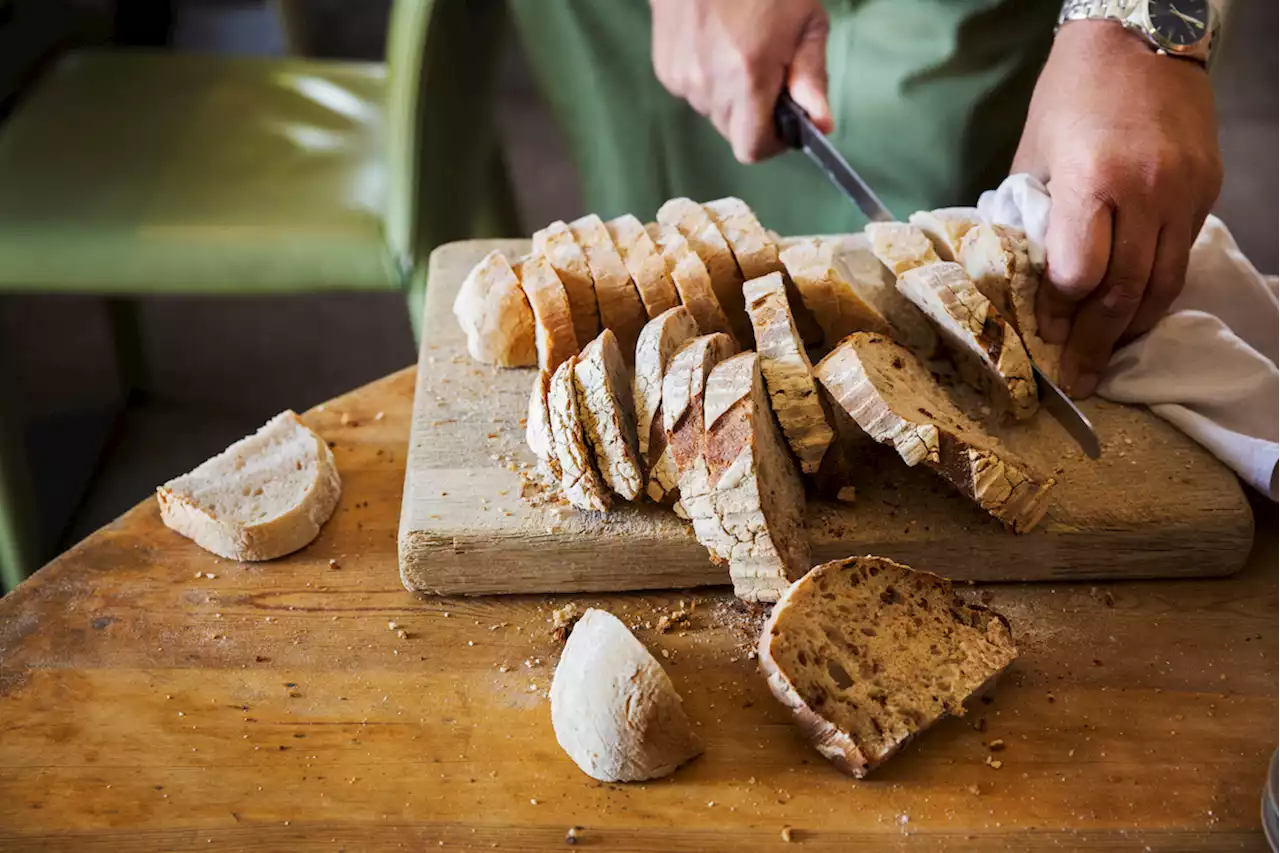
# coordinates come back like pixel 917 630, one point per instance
pixel 797 130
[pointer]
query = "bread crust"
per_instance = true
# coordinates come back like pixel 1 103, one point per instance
pixel 788 374
pixel 274 537
pixel 840 747
pixel 553 317
pixel 621 310
pixel 557 243
pixel 988 351
pixel 578 474
pixel 603 386
pixel 692 220
pixel 691 279
pixel 494 313
pixel 645 264
pixel 945 227
pixel 896 401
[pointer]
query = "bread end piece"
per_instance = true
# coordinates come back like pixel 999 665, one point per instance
pixel 867 653
pixel 258 511
pixel 614 710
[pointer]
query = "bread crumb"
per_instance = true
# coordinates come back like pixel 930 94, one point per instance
pixel 562 620
pixel 786 834
pixel 996 745
pixel 847 494
pixel 994 764
pixel 533 802
pixel 392 626
pixel 975 790
pixel 333 564
pixel 571 837
pixel 379 416
pixel 346 418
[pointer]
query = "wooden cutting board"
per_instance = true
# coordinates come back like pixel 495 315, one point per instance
pixel 1155 505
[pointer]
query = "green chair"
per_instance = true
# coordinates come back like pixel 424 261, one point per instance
pixel 133 172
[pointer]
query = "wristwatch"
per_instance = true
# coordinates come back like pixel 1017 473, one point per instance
pixel 1182 28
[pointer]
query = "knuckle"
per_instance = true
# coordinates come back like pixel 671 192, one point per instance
pixel 1121 298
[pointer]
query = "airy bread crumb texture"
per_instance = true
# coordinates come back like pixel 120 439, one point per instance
pixel 264 496
pixel 867 653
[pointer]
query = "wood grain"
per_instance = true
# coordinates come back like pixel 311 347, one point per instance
pixel 271 707
pixel 466 529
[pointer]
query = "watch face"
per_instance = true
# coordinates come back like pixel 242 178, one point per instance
pixel 1179 23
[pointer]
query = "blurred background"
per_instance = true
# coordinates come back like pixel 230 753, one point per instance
pixel 218 367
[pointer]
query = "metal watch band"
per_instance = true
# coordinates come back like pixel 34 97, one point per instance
pixel 1083 10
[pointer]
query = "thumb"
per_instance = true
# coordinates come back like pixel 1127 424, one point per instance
pixel 807 74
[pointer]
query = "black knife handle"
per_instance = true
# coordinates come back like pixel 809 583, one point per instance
pixel 788 116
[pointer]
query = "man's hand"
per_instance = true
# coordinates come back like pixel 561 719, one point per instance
pixel 1127 143
pixel 730 59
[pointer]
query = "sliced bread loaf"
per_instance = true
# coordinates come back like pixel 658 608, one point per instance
pixel 838 309
pixel 558 244
pixel 998 261
pixel 614 709
pixel 988 351
pixel 788 374
pixel 867 653
pixel 946 227
pixel 754 250
pixel 644 262
pixel 579 478
pixel 691 279
pixel 897 402
pixel 263 497
pixel 692 220
pixel 537 430
pixel 743 493
pixel 494 313
pixel 552 316
pixel 900 246
pixel 621 310
pixel 604 401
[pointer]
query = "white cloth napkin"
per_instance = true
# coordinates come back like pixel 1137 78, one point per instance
pixel 1209 365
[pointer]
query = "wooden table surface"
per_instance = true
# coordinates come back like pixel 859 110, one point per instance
pixel 155 697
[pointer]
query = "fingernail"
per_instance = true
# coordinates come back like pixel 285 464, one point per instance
pixel 1057 330
pixel 1083 386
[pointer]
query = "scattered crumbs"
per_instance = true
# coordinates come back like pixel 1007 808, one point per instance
pixel 994 763
pixel 562 621
pixel 996 745
pixel 786 834
pixel 680 617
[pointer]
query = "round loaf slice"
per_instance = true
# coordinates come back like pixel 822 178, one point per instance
pixel 552 315
pixel 659 340
pixel 604 400
pixel 558 244
pixel 644 262
pixel 692 281
pixel 614 709
pixel 900 246
pixel 537 431
pixel 620 307
pixel 578 475
pixel 692 220
pixel 263 497
pixel 867 653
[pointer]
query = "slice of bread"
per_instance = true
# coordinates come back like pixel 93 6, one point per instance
pixel 614 709
pixel 987 349
pixel 578 475
pixel 900 246
pixel 838 309
pixel 552 314
pixel 537 431
pixel 689 275
pixel 558 244
pixel 604 400
pixel 743 493
pixel 867 653
pixel 896 401
pixel 754 250
pixel 946 227
pixel 659 340
pixel 495 315
pixel 690 219
pixel 263 497
pixel 645 264
pixel 620 307
pixel 788 374
pixel 997 259
pixel 683 387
